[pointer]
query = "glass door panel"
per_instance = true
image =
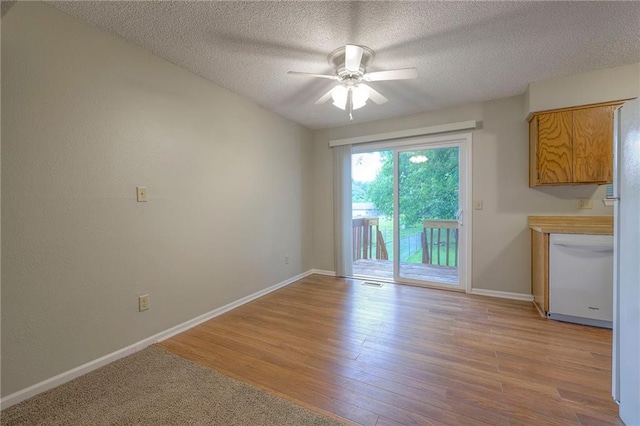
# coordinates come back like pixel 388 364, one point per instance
pixel 372 214
pixel 428 211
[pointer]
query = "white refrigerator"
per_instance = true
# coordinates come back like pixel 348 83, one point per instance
pixel 626 266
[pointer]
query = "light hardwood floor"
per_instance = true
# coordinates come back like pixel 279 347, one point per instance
pixel 409 355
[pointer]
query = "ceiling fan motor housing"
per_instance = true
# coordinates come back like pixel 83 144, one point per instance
pixel 337 61
pixel 349 78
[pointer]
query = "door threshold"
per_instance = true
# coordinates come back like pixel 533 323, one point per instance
pixel 437 286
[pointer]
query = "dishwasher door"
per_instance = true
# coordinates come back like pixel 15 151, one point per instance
pixel 581 279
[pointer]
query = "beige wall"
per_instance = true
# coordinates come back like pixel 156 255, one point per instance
pixel 604 85
pixel 86 118
pixel 500 178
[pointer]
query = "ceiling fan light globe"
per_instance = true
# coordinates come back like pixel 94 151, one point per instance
pixel 360 96
pixel 339 96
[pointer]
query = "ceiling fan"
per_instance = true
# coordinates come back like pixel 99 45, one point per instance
pixel 350 63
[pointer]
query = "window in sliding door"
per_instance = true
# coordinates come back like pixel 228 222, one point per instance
pixel 428 212
pixel 372 214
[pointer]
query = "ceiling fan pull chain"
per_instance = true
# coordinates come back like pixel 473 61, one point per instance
pixel 350 103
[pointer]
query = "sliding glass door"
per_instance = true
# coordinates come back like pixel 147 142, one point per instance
pixel 408 208
pixel 428 211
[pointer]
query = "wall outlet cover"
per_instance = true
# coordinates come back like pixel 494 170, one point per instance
pixel 585 203
pixel 143 302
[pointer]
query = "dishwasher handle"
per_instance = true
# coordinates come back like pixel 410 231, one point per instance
pixel 585 246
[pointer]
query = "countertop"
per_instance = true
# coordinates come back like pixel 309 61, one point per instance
pixel 601 225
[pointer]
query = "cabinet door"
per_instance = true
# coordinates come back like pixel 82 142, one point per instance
pixel 554 148
pixel 593 145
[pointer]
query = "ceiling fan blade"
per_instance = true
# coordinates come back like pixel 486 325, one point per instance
pixel 307 74
pixel 402 74
pixel 352 57
pixel 324 98
pixel 374 95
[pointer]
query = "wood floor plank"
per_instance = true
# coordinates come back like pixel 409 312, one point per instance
pixel 599 420
pixel 401 355
pixel 457 418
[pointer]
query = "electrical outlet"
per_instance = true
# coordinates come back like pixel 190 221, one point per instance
pixel 286 260
pixel 141 193
pixel 585 203
pixel 143 302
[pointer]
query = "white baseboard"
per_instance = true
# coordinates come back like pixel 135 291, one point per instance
pixel 323 272
pixel 502 294
pixel 62 378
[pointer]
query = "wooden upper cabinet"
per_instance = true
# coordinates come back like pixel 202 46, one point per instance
pixel 593 144
pixel 554 148
pixel 572 146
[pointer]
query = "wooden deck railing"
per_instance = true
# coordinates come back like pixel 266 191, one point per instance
pixel 364 241
pixel 436 234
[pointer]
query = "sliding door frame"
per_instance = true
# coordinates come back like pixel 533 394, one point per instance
pixel 464 142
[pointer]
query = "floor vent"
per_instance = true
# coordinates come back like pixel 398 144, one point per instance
pixel 371 284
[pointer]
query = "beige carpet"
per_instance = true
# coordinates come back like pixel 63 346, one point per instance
pixel 155 387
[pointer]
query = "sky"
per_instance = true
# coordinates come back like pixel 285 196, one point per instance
pixel 365 166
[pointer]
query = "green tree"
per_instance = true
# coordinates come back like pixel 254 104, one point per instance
pixel 380 190
pixel 359 191
pixel 428 190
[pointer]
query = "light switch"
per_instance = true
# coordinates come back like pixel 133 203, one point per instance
pixel 477 205
pixel 142 194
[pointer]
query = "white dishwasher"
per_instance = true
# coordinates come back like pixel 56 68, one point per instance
pixel 581 279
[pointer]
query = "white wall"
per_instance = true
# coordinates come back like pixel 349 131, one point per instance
pixel 86 118
pixel 501 254
pixel 611 84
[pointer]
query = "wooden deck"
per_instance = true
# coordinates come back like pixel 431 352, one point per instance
pixel 404 355
pixel 415 271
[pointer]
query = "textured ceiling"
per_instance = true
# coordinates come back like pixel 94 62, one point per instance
pixel 464 51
